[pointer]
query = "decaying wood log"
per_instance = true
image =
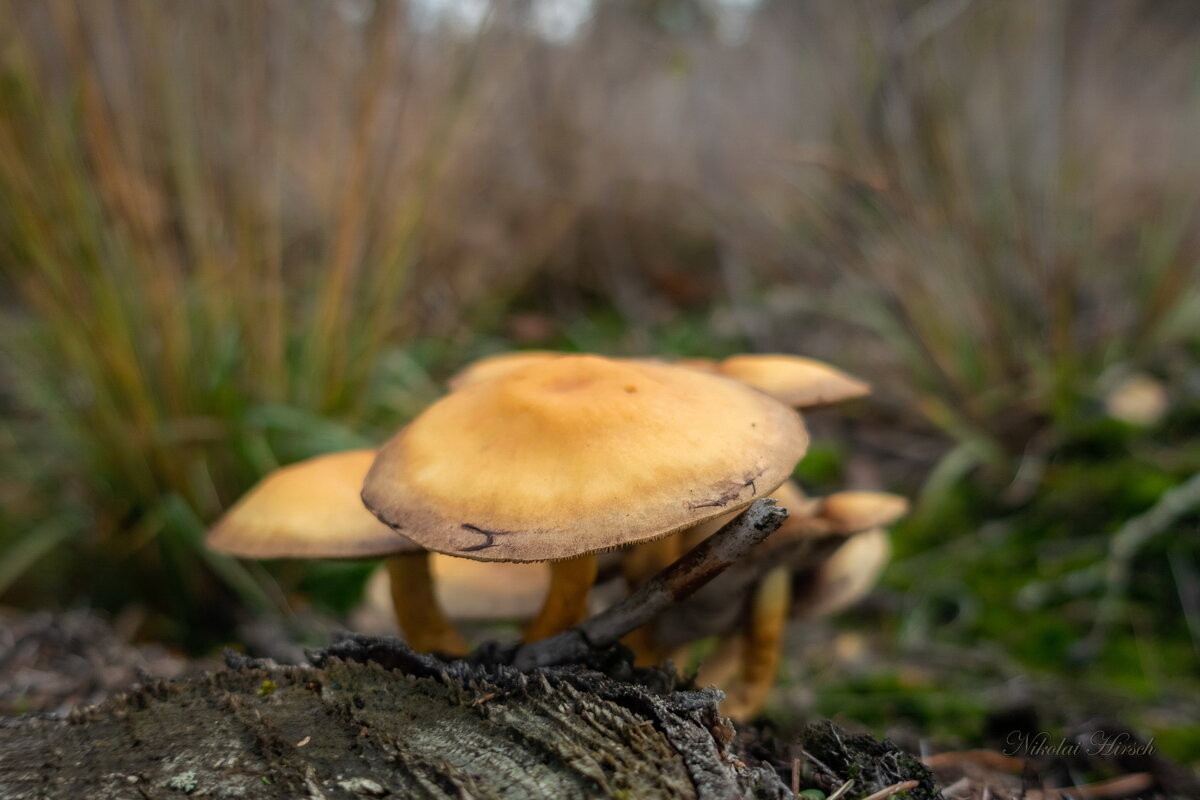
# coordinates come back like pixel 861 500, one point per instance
pixel 371 718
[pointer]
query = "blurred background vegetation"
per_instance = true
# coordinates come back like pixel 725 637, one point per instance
pixel 234 235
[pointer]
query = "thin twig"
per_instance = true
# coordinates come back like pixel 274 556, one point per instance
pixel 1187 586
pixel 882 794
pixel 677 582
pixel 845 787
pixel 1125 545
pixel 961 788
pixel 1124 786
pixel 819 763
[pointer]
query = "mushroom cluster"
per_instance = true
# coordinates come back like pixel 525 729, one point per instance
pixel 561 458
pixel 498 500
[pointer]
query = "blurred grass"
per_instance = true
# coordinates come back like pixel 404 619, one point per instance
pixel 235 235
pixel 173 338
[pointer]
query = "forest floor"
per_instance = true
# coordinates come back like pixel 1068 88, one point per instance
pixel 51 664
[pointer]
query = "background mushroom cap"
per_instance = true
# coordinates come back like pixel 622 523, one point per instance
pixel 311 509
pixel 580 454
pixel 481 590
pixel 846 577
pixel 853 511
pixel 799 382
pixel 468 591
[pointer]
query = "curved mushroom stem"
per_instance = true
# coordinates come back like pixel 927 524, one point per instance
pixel 761 645
pixel 420 616
pixel 566 602
pixel 640 564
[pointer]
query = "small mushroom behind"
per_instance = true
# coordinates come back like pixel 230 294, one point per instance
pixel 313 510
pixel 797 381
pixel 846 577
pixel 564 457
pixel 851 522
pixel 859 511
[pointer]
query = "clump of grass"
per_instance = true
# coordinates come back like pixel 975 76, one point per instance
pixel 1016 223
pixel 207 245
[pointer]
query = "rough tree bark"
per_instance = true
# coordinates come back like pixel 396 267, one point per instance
pixel 370 718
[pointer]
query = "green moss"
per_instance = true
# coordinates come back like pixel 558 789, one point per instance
pixel 822 468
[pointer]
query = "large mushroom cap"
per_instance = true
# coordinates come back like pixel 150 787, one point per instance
pixel 580 454
pixel 499 364
pixel 308 510
pixel 799 382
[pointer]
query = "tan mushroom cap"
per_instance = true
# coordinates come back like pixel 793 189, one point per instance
pixel 497 365
pixel 580 454
pixel 799 382
pixel 846 577
pixel 850 512
pixel 308 510
pixel 788 496
pixel 702 364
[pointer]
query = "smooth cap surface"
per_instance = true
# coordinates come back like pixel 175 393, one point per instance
pixel 580 454
pixel 311 509
pixel 497 365
pixel 850 512
pixel 796 381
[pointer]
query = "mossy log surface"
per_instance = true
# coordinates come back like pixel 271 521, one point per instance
pixel 370 718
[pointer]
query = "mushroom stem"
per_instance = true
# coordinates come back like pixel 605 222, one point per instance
pixel 566 602
pixel 640 564
pixel 762 644
pixel 418 613
pixel 677 582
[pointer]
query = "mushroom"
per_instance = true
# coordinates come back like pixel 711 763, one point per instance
pixel 312 510
pixel 846 576
pixel 799 382
pixel 492 366
pixel 851 522
pixel 562 458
